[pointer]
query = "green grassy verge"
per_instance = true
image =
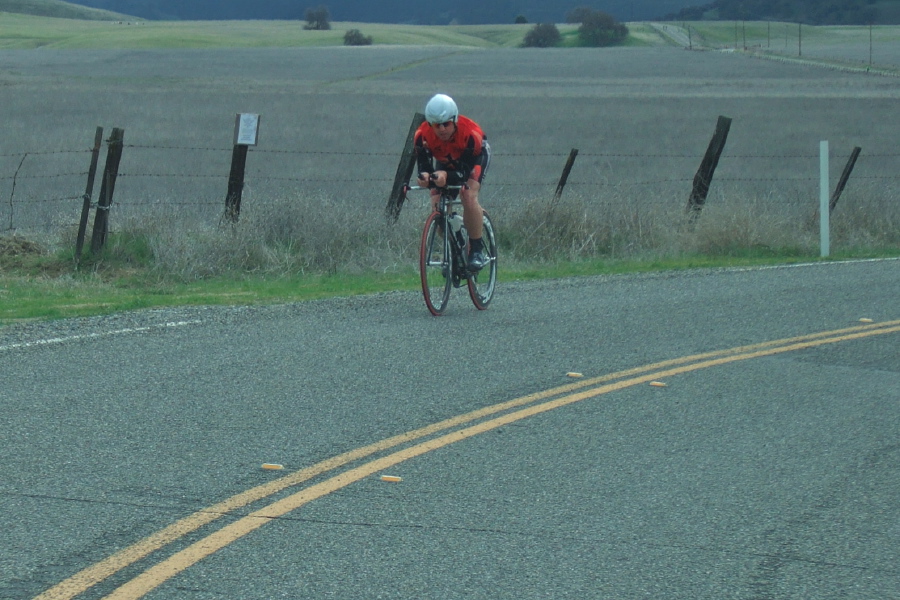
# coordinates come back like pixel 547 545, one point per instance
pixel 41 291
pixel 29 298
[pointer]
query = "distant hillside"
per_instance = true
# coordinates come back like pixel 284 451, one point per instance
pixel 472 12
pixel 813 12
pixel 59 9
pixel 465 12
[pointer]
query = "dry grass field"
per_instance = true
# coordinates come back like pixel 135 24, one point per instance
pixel 334 120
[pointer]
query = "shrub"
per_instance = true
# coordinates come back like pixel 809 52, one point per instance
pixel 542 35
pixel 521 20
pixel 354 37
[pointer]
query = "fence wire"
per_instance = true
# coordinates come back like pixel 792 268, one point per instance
pixel 40 189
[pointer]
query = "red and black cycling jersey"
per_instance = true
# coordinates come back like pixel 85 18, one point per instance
pixel 466 155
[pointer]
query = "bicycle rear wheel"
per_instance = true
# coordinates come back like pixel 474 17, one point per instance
pixel 435 264
pixel 481 284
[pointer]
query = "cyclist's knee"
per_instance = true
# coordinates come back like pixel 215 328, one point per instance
pixel 469 194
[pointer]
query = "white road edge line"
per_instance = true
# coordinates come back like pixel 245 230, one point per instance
pixel 89 336
pixel 825 263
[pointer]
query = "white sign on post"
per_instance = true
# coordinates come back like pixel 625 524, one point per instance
pixel 246 129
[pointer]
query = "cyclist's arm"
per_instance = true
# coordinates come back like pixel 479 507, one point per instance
pixel 423 156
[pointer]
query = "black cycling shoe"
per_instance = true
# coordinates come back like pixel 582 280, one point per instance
pixel 477 261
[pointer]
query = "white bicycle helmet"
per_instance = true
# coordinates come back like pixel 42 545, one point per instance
pixel 440 109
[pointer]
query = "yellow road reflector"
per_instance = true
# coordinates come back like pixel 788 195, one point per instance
pixel 272 467
pixel 864 320
pixel 391 478
pixel 572 374
pixel 658 384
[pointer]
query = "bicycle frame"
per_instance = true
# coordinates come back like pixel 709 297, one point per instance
pixel 444 208
pixel 443 259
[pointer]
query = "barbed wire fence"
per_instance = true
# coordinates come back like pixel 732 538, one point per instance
pixel 868 48
pixel 44 188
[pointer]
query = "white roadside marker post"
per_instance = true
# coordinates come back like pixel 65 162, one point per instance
pixel 824 208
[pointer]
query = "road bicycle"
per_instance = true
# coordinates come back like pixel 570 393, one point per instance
pixel 444 252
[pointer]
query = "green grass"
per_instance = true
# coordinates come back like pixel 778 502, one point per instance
pixel 30 298
pixel 22 31
pixel 763 33
pixel 49 288
pixel 504 36
pixel 847 47
pixel 642 34
pixel 58 9
pixel 26 32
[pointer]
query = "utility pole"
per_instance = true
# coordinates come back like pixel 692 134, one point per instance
pixel 870 44
pixel 744 24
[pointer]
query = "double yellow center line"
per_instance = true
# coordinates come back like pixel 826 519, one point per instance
pixel 438 435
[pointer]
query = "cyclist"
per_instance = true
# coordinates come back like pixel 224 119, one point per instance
pixel 451 149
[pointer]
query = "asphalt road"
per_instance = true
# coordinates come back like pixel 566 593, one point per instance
pixel 767 468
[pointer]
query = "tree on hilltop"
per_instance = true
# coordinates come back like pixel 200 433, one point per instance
pixel 601 29
pixel 318 19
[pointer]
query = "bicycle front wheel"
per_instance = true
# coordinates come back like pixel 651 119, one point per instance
pixel 481 284
pixel 435 264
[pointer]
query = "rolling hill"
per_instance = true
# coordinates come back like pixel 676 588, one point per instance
pixel 465 12
pixel 812 12
pixel 59 9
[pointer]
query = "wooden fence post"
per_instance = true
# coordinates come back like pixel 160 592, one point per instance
pixel 848 168
pixel 88 192
pixel 236 182
pixel 404 171
pixel 704 175
pixel 565 175
pixel 114 146
pixel 246 134
pixel 13 192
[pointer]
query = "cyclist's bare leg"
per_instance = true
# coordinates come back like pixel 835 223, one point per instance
pixel 472 211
